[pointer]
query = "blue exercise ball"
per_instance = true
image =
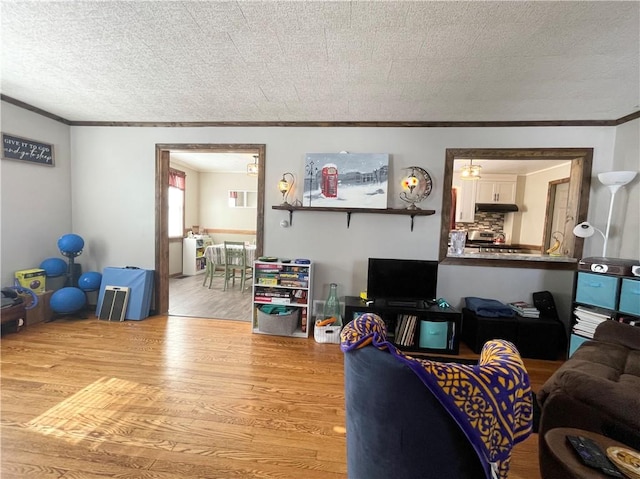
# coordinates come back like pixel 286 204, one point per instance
pixel 54 267
pixel 67 300
pixel 70 244
pixel 90 281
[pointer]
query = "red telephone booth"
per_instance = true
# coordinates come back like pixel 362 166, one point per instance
pixel 329 181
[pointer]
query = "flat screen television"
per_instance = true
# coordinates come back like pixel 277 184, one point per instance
pixel 402 280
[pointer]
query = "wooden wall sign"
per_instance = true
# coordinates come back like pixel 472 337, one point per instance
pixel 23 149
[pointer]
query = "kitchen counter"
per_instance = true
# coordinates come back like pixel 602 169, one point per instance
pixel 514 256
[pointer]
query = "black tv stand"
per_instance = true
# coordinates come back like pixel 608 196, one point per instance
pixel 444 321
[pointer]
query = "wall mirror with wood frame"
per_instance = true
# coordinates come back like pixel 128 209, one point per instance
pixel 520 209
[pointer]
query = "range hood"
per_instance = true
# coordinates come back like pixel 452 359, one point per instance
pixel 496 207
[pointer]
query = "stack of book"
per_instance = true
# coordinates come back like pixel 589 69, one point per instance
pixel 524 309
pixel 272 295
pixel 294 279
pixel 405 329
pixel 587 320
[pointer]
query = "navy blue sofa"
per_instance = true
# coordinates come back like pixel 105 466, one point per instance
pixel 396 428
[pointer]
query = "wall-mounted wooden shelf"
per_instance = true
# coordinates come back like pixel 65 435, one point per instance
pixel 348 211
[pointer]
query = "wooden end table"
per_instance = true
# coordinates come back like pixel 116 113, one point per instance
pixel 567 459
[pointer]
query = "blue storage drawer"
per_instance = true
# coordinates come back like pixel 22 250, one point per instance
pixel 433 334
pixel 597 290
pixel 575 342
pixel 630 296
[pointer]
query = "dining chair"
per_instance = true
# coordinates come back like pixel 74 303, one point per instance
pixel 215 266
pixel 235 261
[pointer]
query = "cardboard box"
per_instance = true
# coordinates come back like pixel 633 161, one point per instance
pixel 34 279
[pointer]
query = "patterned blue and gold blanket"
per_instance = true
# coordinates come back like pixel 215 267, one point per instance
pixel 490 401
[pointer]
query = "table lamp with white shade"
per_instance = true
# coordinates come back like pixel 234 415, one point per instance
pixel 614 180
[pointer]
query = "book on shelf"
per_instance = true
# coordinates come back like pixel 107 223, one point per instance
pixel 293 284
pixel 303 320
pixel 399 327
pixel 452 336
pixel 590 315
pixel 587 320
pixel 405 329
pixel 267 267
pixel 282 293
pixel 295 276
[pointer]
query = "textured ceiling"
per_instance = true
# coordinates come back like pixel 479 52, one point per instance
pixel 204 61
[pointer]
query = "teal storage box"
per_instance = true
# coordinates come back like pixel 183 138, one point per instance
pixel 140 284
pixel 433 334
pixel 597 290
pixel 575 343
pixel 630 296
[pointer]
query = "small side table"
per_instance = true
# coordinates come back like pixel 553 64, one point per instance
pixel 11 316
pixel 567 464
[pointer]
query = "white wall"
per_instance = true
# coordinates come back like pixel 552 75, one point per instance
pixel 534 204
pixel 627 202
pixel 113 199
pixel 340 253
pixel 36 200
pixel 215 211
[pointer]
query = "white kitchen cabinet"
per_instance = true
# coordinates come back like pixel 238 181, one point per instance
pixel 465 200
pixel 496 189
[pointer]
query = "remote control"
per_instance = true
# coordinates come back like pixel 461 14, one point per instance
pixel 591 455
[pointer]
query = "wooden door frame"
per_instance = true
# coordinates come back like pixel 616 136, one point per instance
pixel 548 215
pixel 163 156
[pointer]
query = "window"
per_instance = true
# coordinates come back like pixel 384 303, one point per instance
pixel 177 180
pixel 243 199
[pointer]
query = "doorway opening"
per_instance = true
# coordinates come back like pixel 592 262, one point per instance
pixel 163 161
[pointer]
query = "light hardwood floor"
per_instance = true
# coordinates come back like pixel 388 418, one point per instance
pixel 187 297
pixel 166 398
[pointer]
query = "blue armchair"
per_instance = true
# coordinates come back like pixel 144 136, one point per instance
pixel 400 427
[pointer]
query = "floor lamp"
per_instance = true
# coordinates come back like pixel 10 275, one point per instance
pixel 614 180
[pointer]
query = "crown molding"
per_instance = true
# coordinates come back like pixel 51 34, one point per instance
pixel 326 124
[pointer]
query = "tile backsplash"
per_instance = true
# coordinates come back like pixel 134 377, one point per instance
pixel 485 221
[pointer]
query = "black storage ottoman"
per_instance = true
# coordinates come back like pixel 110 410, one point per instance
pixel 539 338
pixel 477 330
pixel 535 338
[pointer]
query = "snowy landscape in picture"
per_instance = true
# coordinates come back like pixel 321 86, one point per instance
pixel 346 180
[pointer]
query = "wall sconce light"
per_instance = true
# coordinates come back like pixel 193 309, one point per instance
pixel 410 182
pixel 470 171
pixel 614 180
pixel 416 186
pixel 252 168
pixel 284 186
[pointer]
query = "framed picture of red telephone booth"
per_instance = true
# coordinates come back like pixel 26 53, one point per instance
pixel 346 180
